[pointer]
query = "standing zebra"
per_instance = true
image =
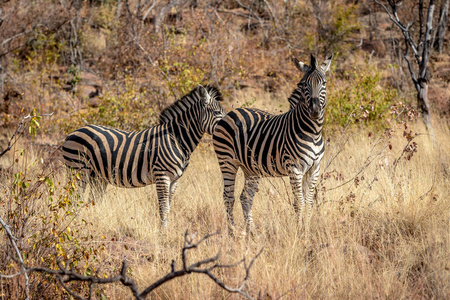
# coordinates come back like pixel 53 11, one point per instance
pixel 263 144
pixel 158 155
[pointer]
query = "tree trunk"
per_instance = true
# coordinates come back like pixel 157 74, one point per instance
pixel 442 26
pixel 424 76
pixel 424 106
pixel 422 51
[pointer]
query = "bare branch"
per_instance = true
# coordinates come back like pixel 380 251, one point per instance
pixel 393 16
pixel 72 293
pixel 65 275
pixel 195 268
pixel 442 25
pixel 411 70
pixel 19 35
pixel 11 275
pixel 12 240
pixel 427 42
pixel 149 10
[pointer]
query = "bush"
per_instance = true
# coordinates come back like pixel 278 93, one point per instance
pixel 128 107
pixel 361 94
pixel 42 214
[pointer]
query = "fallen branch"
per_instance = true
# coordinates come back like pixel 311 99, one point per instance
pixel 205 266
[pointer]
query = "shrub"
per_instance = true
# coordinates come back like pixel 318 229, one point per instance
pixel 42 214
pixel 128 107
pixel 360 94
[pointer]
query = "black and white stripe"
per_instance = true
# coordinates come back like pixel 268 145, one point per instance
pixel 158 155
pixel 269 145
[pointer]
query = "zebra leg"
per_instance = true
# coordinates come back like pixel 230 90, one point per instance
pixel 173 187
pixel 250 188
pixel 296 178
pixel 229 171
pixel 309 190
pixel 163 191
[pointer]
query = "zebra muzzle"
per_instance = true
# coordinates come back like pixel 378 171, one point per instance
pixel 314 108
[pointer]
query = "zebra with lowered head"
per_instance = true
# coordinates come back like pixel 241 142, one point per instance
pixel 267 145
pixel 159 154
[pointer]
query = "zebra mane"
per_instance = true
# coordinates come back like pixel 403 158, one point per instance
pixel 182 105
pixel 294 98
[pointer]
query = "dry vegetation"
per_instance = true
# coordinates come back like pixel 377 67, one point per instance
pixel 381 224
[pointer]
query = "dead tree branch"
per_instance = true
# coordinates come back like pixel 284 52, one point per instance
pixel 12 240
pixel 442 26
pixel 205 266
pixel 421 50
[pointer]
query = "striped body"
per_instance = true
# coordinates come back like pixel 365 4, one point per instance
pixel 126 159
pixel 158 155
pixel 267 145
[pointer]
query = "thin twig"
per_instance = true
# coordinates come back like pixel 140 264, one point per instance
pixel 13 138
pixel 12 240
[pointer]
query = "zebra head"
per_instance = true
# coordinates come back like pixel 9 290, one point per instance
pixel 313 85
pixel 212 110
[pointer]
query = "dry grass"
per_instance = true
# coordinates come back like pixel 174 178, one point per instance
pixel 389 240
pixel 385 237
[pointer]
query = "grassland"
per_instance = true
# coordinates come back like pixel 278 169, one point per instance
pixel 389 240
pixel 380 228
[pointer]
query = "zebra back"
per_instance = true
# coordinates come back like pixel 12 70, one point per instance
pixel 132 159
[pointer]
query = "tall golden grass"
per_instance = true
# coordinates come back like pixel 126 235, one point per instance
pixel 380 226
pixel 385 237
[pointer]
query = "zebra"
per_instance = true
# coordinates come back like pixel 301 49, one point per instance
pixel 267 145
pixel 159 154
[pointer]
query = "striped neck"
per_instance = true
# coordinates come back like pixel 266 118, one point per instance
pixel 295 98
pixel 302 123
pixel 187 130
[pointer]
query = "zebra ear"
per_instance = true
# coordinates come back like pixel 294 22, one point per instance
pixel 302 67
pixel 204 96
pixel 327 63
pixel 313 62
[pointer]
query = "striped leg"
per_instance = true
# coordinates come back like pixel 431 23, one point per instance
pixel 296 177
pixel 229 171
pixel 163 191
pixel 173 187
pixel 309 187
pixel 250 188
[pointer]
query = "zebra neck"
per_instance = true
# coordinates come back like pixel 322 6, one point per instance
pixel 302 123
pixel 295 98
pixel 187 132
